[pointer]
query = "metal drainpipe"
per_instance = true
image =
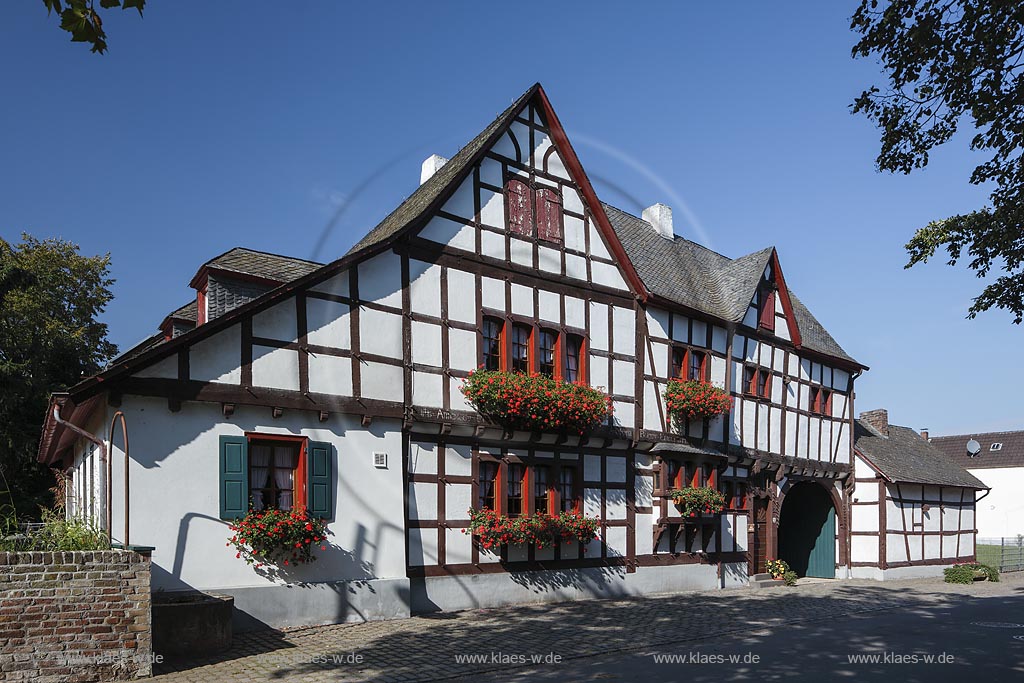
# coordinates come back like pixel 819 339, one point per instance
pixel 853 473
pixel 104 485
pixel 110 437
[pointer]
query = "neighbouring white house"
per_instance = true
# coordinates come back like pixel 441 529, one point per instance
pixel 336 387
pixel 913 508
pixel 996 458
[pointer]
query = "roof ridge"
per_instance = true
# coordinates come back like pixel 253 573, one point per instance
pixel 266 253
pixel 972 435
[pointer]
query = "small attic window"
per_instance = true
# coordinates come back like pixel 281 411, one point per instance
pixel 996 447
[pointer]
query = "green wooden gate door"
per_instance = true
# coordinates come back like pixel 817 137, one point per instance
pixel 822 562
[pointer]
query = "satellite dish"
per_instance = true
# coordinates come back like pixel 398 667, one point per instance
pixel 973 447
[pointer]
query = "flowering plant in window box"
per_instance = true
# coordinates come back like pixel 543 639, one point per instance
pixel 271 536
pixel 543 530
pixel 698 500
pixel 535 403
pixel 695 400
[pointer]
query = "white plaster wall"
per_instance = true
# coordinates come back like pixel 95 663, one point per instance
pixel 277 322
pixel 218 358
pixel 175 507
pixel 1001 512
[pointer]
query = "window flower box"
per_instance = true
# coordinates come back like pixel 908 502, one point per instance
pixel 279 537
pixel 493 530
pixel 535 403
pixel 695 400
pixel 698 503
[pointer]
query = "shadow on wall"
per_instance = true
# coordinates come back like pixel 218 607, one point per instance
pixel 597 580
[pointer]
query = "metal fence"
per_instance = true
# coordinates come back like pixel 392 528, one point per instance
pixel 1007 554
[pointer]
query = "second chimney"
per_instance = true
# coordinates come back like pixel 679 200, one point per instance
pixel 660 216
pixel 924 434
pixel 879 419
pixel 431 165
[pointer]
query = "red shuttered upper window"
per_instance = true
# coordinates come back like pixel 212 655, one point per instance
pixel 766 310
pixel 549 214
pixel 519 197
pixel 534 212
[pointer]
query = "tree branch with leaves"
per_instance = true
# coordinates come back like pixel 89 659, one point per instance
pixel 953 63
pixel 84 23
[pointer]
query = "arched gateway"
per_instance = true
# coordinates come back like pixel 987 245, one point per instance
pixel 807 531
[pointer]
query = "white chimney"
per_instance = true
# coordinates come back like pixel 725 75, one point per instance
pixel 660 216
pixel 430 166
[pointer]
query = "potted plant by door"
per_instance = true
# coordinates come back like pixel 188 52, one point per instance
pixel 777 568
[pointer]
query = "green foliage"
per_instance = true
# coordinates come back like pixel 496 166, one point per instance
pixel 50 298
pixel 777 568
pixel 83 22
pixel 535 403
pixel 698 500
pixel 969 572
pixel 790 577
pixel 76 533
pixel 541 529
pixel 285 537
pixel 951 63
pixel 56 534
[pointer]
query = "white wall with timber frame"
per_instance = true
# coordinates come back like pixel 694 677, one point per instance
pixel 904 529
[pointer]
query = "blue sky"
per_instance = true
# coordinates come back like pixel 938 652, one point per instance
pixel 212 125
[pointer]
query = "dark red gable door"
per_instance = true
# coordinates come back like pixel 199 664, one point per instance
pixel 520 207
pixel 549 214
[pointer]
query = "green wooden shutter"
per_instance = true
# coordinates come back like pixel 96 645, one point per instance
pixel 320 491
pixel 234 477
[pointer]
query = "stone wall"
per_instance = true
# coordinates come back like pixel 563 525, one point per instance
pixel 75 616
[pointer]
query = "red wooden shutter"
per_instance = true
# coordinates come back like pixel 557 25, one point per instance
pixel 520 207
pixel 768 310
pixel 549 214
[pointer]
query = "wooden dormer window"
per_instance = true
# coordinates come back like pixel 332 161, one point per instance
pixel 519 202
pixel 533 211
pixel 766 307
pixel 549 214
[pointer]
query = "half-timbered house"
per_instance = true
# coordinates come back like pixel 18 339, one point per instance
pixel 913 509
pixel 337 387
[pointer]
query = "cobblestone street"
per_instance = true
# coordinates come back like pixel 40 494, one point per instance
pixel 467 644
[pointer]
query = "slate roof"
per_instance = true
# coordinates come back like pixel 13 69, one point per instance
pixel 692 275
pixel 188 312
pixel 1010 455
pixel 262 264
pixel 905 456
